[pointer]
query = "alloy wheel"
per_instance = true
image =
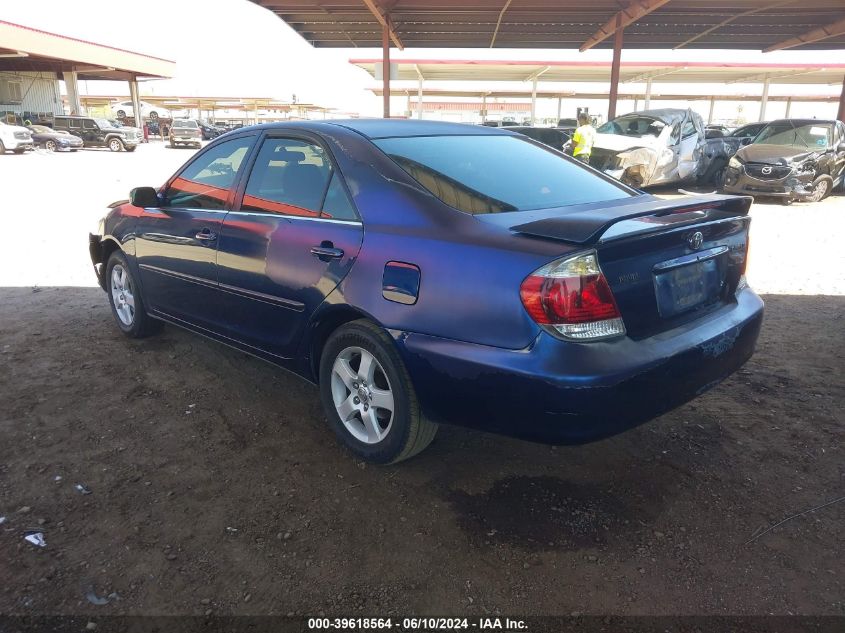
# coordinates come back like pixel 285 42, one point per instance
pixel 50 146
pixel 362 395
pixel 115 145
pixel 122 295
pixel 820 191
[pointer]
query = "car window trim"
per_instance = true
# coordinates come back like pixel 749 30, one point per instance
pixel 296 135
pixel 232 189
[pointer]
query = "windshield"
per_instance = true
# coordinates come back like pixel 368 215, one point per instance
pixel 184 124
pixel 636 126
pixel 806 136
pixel 101 123
pixel 492 174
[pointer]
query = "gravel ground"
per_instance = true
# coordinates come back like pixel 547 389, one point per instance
pixel 216 485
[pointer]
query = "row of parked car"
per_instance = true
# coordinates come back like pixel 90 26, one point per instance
pixel 70 133
pixel 789 159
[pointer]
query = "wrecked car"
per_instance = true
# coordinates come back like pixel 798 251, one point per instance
pixel 791 159
pixel 656 147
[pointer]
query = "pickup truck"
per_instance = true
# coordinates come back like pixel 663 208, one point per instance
pixel 656 147
pixel 185 132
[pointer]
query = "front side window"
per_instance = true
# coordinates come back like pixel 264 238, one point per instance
pixel 493 174
pixel 688 129
pixel 633 125
pixel 290 177
pixel 206 182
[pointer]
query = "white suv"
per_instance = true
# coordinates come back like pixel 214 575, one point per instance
pixel 15 138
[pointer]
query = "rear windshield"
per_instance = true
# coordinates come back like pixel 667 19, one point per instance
pixel 636 126
pixel 185 124
pixel 493 174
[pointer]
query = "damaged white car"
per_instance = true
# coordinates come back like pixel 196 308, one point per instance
pixel 656 147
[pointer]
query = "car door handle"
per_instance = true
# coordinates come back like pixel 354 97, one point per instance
pixel 326 251
pixel 206 235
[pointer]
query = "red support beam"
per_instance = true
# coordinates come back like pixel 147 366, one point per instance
pixel 816 35
pixel 614 69
pixel 841 115
pixel 385 65
pixel 635 10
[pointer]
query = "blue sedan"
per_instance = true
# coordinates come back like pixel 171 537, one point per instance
pixel 423 273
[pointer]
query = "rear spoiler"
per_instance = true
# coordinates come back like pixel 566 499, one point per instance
pixel 587 227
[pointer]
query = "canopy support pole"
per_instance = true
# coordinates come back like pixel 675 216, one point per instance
pixel 647 94
pixel 484 107
pixel 136 103
pixel 72 87
pixel 614 69
pixel 764 100
pixel 385 65
pixel 419 97
pixel 841 115
pixel 712 107
pixel 789 105
pixel 559 100
pixel 533 100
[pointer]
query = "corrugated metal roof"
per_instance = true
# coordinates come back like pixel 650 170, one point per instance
pixel 745 24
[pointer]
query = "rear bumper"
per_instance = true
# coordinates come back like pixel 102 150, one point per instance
pixel 570 393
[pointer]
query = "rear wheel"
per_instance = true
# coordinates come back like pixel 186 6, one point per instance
pixel 2 148
pixel 131 149
pixel 121 114
pixel 115 145
pixel 822 186
pixel 368 397
pixel 153 115
pixel 125 299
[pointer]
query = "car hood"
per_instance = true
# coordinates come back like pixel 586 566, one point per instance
pixel 773 154
pixel 619 143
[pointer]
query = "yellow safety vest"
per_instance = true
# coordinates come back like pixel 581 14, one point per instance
pixel 584 138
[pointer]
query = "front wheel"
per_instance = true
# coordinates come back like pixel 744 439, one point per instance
pixel 115 145
pixel 822 186
pixel 368 397
pixel 125 299
pixel 50 146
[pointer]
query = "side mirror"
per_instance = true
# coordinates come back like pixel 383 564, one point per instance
pixel 746 141
pixel 144 197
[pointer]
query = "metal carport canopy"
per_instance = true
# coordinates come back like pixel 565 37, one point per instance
pixel 766 25
pixel 748 24
pixel 598 71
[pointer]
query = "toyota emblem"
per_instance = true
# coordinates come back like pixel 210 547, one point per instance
pixel 695 240
pixel 766 170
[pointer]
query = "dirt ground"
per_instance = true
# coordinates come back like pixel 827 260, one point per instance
pixel 217 487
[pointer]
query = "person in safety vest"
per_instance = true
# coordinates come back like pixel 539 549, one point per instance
pixel 583 139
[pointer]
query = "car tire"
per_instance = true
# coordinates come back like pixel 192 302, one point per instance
pixel 127 306
pixel 19 150
pixel 50 146
pixel 153 115
pixel 822 186
pixel 131 149
pixel 115 145
pixel 715 174
pixel 121 114
pixel 351 395
pixel 2 148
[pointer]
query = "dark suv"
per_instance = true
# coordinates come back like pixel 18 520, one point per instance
pixel 96 132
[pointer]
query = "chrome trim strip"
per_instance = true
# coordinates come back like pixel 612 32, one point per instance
pixel 296 306
pixel 266 214
pixel 202 281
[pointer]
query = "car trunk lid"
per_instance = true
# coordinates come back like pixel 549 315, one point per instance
pixel 667 261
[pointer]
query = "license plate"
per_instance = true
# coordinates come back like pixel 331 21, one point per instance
pixel 687 287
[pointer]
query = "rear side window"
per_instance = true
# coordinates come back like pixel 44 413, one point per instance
pixel 295 177
pixel 205 183
pixel 493 174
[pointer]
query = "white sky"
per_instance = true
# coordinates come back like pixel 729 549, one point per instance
pixel 234 48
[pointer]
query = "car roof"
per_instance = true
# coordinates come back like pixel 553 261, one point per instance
pixel 805 121
pixel 385 128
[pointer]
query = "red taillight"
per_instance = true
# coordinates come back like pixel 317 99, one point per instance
pixel 571 297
